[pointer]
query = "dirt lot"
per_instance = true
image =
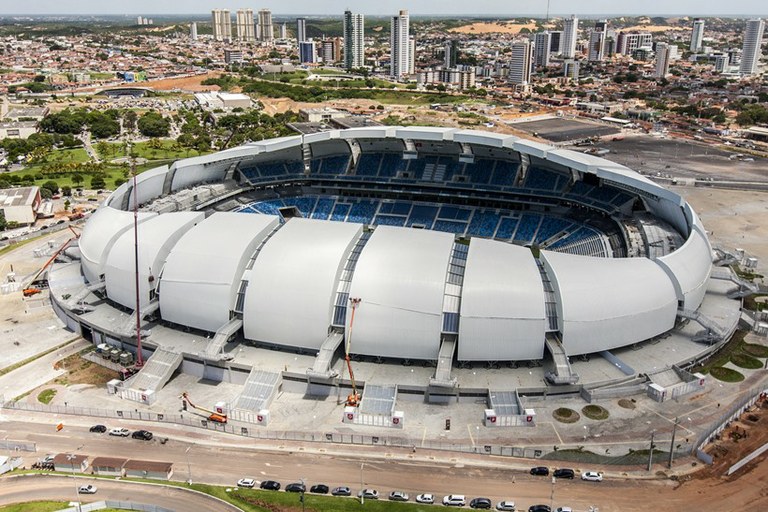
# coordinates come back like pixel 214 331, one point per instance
pixel 186 84
pixel 498 27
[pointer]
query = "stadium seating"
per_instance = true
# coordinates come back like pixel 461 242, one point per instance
pixel 527 227
pixel 483 223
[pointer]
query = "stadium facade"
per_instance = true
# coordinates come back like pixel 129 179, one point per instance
pixel 456 244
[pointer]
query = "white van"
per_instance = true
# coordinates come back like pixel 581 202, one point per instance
pixel 454 500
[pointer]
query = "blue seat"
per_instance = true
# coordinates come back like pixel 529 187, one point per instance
pixel 389 220
pixel 340 212
pixel 550 226
pixel 483 223
pixel 422 214
pixel 527 227
pixel 368 165
pixel 323 208
pixel 450 226
pixel 506 228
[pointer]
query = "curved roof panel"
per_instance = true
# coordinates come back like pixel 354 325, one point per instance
pixel 157 236
pixel 99 235
pixel 400 279
pixel 203 270
pixel 689 267
pixel 502 304
pixel 606 303
pixel 292 286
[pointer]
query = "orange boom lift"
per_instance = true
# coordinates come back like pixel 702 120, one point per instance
pixel 212 416
pixel 353 399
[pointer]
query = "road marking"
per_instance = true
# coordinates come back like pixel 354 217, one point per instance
pixel 552 424
pixel 471 438
pixel 680 424
pixel 424 436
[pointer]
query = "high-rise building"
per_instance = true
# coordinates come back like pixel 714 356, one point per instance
pixel 751 49
pixel 721 63
pixel 246 29
pixel 597 41
pixel 139 20
pixel 628 42
pixel 520 65
pixel 411 55
pixel 556 41
pixel 542 43
pixel 697 35
pixel 451 56
pixel 301 29
pixel 570 35
pixel 662 60
pixel 330 50
pixel 222 25
pixel 354 45
pixel 400 45
pixel 193 31
pixel 283 31
pixel 571 69
pixel 233 55
pixel 307 52
pixel 266 30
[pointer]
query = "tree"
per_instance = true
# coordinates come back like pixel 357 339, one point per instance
pixel 98 182
pixel 66 191
pixel 153 124
pixel 2 221
pixel 52 186
pixel 67 204
pixel 77 178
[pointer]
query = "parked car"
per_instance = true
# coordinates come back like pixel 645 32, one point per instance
pixel 145 435
pixel 481 503
pixel 426 498
pixel 87 489
pixel 342 491
pixel 246 482
pixel 319 489
pixel 270 485
pixel 98 429
pixel 371 494
pixel 506 505
pixel 564 509
pixel 121 432
pixel 295 487
pixel 454 500
pixel 540 471
pixel 563 473
pixel 398 496
pixel 539 508
pixel 592 476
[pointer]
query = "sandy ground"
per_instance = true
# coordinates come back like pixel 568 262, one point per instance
pixel 652 28
pixel 493 28
pixel 734 218
pixel 187 84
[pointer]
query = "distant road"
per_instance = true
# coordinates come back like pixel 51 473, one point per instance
pixel 61 488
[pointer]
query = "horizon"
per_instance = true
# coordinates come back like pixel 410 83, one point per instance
pixel 412 15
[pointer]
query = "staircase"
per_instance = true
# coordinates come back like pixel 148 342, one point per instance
pixel 215 349
pixel 563 373
pixel 157 371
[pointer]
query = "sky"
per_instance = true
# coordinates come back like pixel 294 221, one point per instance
pixel 510 8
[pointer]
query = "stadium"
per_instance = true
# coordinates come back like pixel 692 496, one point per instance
pixel 438 248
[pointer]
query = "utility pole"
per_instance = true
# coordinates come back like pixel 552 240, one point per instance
pixel 552 493
pixel 362 488
pixel 650 455
pixel 672 443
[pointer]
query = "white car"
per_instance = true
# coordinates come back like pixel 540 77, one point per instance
pixel 592 476
pixel 454 500
pixel 246 482
pixel 87 489
pixel 506 505
pixel 427 499
pixel 398 496
pixel 370 494
pixel 122 432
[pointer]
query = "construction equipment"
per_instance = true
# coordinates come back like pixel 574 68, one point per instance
pixel 212 415
pixel 353 399
pixel 35 284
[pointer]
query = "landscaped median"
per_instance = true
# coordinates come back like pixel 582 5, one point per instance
pixel 248 500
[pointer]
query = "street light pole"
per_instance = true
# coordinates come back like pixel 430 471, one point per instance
pixel 362 489
pixel 650 455
pixel 71 458
pixel 672 443
pixel 189 466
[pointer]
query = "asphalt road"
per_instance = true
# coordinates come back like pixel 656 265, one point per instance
pixel 223 460
pixel 62 488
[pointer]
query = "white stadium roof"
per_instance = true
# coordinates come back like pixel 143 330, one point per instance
pixel 157 236
pixel 291 289
pixel 604 303
pixel 204 268
pixel 400 279
pixel 502 304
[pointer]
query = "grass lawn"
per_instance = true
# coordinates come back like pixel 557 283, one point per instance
pixel 35 506
pixel 167 152
pixel 46 396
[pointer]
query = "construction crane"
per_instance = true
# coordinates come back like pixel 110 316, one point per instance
pixel 353 399
pixel 31 288
pixel 212 415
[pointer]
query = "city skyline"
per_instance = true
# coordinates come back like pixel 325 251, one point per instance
pixel 387 7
